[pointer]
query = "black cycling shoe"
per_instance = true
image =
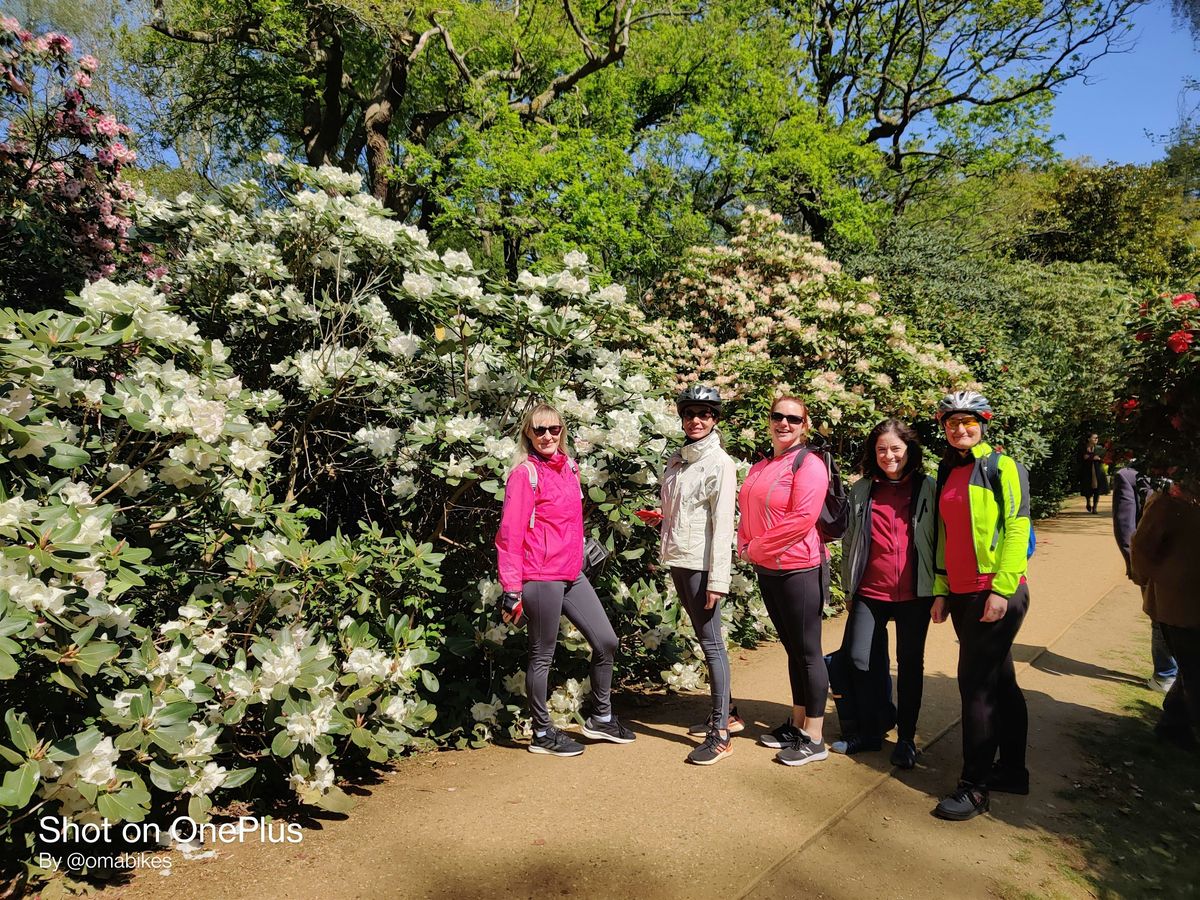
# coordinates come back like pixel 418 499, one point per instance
pixel 905 754
pixel 966 802
pixel 1009 781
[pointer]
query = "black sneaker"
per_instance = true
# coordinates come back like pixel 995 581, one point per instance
pixel 966 802
pixel 612 730
pixel 1009 781
pixel 855 744
pixel 714 749
pixel 733 724
pixel 905 754
pixel 783 736
pixel 555 743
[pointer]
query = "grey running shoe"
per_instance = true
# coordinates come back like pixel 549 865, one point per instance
pixel 612 730
pixel 783 736
pixel 802 752
pixel 966 802
pixel 734 724
pixel 714 749
pixel 555 743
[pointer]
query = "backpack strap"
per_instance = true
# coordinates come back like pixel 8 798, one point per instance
pixel 798 457
pixel 529 467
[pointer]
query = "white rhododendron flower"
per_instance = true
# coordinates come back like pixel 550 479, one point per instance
pixel 486 712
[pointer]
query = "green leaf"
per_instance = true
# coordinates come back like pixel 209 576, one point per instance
pixel 198 808
pixel 335 800
pixel 94 655
pixel 23 737
pixel 238 777
pixel 429 680
pixel 596 494
pixel 68 456
pixel 360 737
pixel 19 785
pixel 170 780
pixel 125 805
pixel 283 745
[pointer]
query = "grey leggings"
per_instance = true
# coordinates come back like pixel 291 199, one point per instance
pixel 545 603
pixel 692 587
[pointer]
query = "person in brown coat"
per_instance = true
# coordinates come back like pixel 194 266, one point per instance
pixel 1165 561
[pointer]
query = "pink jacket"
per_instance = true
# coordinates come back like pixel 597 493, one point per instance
pixel 778 528
pixel 550 548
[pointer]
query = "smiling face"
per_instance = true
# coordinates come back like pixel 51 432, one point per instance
pixel 789 425
pixel 698 421
pixel 963 430
pixel 546 443
pixel 891 454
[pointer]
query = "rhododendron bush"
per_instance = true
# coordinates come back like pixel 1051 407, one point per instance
pixel 62 200
pixel 770 313
pixel 1160 409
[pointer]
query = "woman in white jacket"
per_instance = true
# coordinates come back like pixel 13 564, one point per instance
pixel 699 495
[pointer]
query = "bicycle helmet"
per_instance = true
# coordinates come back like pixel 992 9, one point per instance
pixel 699 395
pixel 971 402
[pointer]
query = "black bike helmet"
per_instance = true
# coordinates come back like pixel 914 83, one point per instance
pixel 699 395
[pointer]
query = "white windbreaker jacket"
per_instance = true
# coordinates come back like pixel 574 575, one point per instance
pixel 699 496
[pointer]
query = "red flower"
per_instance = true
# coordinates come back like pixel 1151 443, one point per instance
pixel 1129 405
pixel 1177 422
pixel 1185 300
pixel 1143 335
pixel 1180 341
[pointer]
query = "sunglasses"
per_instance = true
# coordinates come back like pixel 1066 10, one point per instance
pixel 792 420
pixel 540 430
pixel 967 423
pixel 697 414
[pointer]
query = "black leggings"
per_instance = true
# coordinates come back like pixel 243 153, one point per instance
pixel 994 716
pixel 866 644
pixel 546 602
pixel 795 601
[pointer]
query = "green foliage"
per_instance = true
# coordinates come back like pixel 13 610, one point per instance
pixel 1044 342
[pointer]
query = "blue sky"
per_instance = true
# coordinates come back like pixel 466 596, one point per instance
pixel 1129 94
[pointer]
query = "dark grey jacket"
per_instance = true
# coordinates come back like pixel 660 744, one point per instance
pixel 856 542
pixel 1125 511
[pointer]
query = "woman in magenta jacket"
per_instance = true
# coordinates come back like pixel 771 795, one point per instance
pixel 539 550
pixel 780 503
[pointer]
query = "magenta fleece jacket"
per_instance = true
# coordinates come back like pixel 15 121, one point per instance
pixel 551 549
pixel 779 512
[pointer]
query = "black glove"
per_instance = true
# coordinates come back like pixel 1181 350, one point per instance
pixel 511 607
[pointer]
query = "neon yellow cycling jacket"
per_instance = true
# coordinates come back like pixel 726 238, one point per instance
pixel 1001 535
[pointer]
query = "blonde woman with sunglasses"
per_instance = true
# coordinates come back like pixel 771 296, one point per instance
pixel 539 548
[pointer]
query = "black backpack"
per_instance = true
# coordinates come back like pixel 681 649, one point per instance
pixel 835 512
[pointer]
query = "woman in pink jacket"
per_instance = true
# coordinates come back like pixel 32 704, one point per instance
pixel 540 552
pixel 780 503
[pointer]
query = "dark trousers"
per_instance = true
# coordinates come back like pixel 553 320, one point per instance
pixel 1181 706
pixel 546 602
pixel 994 716
pixel 866 643
pixel 795 601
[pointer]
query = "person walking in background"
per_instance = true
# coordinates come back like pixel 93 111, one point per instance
pixel 1130 491
pixel 539 549
pixel 1092 477
pixel 699 497
pixel 780 502
pixel 887 571
pixel 979 581
pixel 1165 561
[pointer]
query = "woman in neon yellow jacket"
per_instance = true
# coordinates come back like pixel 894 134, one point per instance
pixel 979 582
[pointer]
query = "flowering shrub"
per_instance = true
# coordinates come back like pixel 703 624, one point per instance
pixel 771 313
pixel 62 200
pixel 1160 409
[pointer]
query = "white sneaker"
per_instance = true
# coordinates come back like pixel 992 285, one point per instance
pixel 1162 685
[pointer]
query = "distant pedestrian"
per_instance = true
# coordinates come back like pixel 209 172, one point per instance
pixel 1093 480
pixel 1165 561
pixel 1130 491
pixel 981 559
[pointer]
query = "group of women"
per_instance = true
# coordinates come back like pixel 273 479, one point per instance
pixel 916 550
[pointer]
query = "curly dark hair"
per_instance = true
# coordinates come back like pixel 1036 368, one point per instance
pixel 869 466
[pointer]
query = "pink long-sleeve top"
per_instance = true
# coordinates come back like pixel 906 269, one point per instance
pixel 779 512
pixel 551 548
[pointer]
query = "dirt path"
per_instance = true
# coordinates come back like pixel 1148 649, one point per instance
pixel 634 820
